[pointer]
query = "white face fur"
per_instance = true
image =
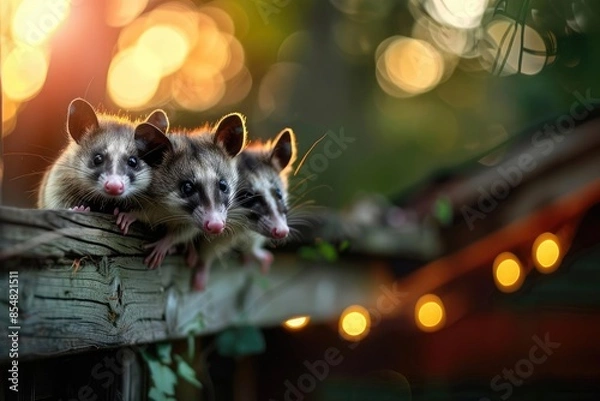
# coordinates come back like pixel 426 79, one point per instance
pixel 264 197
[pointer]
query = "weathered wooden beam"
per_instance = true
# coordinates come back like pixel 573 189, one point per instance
pixel 83 285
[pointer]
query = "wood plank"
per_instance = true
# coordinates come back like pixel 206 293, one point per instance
pixel 114 300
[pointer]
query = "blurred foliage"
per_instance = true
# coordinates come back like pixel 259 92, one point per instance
pixel 164 375
pixel 323 251
pixel 401 141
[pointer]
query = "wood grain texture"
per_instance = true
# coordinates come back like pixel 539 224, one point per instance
pixel 112 299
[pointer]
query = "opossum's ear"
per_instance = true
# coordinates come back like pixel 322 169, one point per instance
pixel 81 119
pixel 231 133
pixel 159 119
pixel 284 150
pixel 151 143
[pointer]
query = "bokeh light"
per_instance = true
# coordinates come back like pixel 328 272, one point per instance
pixel 221 19
pixel 355 323
pixel 198 88
pixel 28 27
pixel 169 44
pixel 546 253
pixel 201 62
pixel 23 72
pixel 430 314
pixel 9 114
pixel 120 13
pixel 295 47
pixel 296 323
pixel 133 77
pixel 183 15
pixel 459 42
pixel 463 14
pixel 505 53
pixel 508 272
pixel 213 49
pixel 238 88
pixel 412 66
pixel 236 58
pixel 35 21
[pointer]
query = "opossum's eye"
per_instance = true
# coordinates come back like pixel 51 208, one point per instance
pixel 223 186
pixel 132 161
pixel 187 189
pixel 278 194
pixel 248 199
pixel 98 159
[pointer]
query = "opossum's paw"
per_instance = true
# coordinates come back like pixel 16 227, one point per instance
pixel 159 251
pixel 200 277
pixel 265 258
pixel 124 220
pixel 191 256
pixel 80 208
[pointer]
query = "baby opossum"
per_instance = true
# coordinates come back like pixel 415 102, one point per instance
pixel 193 187
pixel 107 162
pixel 260 210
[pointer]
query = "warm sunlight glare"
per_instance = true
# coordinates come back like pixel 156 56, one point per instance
pixel 508 272
pixel 200 63
pixel 120 13
pixel 170 46
pixel 355 322
pixel 34 21
pixel 23 72
pixel 546 253
pixel 133 77
pixel 429 313
pixel 198 87
pixel 296 323
pixel 9 115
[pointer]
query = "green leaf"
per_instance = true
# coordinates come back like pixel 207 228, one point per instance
pixel 328 251
pixel 226 342
pixel 442 210
pixel 162 376
pixel 308 253
pixel 186 372
pixel 344 245
pixel 164 353
pixel 239 341
pixel 194 326
pixel 191 346
pixel 157 395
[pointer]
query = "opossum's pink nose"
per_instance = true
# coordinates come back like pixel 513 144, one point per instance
pixel 280 232
pixel 114 186
pixel 214 226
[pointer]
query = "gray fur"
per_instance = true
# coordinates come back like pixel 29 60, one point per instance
pixel 74 180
